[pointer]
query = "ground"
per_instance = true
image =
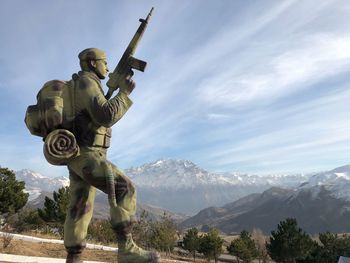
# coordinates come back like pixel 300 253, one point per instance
pixel 20 247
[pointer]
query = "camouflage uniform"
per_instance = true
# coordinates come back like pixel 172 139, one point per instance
pixel 90 170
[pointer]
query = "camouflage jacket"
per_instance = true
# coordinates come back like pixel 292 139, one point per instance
pixel 94 115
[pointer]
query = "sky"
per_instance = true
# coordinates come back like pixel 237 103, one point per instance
pixel 232 85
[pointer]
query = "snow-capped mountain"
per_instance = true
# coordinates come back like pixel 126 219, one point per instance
pixel 183 174
pixel 36 183
pixel 39 186
pixel 320 204
pixel 267 209
pixel 336 181
pixel 181 186
pixel 172 174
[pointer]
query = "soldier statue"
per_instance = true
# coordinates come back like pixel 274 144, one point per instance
pixel 75 119
pixel 94 115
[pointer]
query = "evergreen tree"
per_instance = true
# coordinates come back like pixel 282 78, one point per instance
pixel 332 246
pixel 12 196
pixel 243 247
pixel 55 209
pixel 289 243
pixel 28 219
pixel 211 245
pixel 191 242
pixel 163 234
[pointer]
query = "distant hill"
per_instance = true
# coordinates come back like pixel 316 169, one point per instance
pixel 321 204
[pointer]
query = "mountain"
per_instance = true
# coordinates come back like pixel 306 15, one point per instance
pixel 336 181
pixel 36 183
pixel 182 186
pixel 39 186
pixel 101 210
pixel 321 204
pixel 179 185
pixel 184 174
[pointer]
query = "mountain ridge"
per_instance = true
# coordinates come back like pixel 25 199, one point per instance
pixel 319 205
pixel 183 187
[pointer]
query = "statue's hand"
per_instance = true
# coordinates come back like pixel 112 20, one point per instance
pixel 128 85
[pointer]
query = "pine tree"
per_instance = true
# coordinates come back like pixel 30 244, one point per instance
pixel 163 234
pixel 211 245
pixel 191 242
pixel 332 246
pixel 27 219
pixel 243 247
pixel 55 209
pixel 289 243
pixel 12 196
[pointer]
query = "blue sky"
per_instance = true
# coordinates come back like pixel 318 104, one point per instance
pixel 250 86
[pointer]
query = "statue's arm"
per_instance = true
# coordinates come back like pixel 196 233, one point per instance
pixel 102 111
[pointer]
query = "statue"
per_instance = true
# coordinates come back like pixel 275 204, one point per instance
pixel 75 120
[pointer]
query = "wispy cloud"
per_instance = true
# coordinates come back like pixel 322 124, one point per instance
pixel 229 85
pixel 317 57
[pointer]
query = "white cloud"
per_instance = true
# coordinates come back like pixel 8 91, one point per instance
pixel 209 100
pixel 316 58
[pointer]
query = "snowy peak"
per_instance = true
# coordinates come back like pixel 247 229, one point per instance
pixel 170 173
pixel 36 181
pixel 171 166
pixel 335 176
pixel 343 169
pixel 30 174
pixel 182 186
pixel 185 174
pixel 337 181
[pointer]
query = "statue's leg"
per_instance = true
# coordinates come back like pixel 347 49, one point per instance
pixel 78 217
pixel 93 167
pixel 122 219
pixel 125 195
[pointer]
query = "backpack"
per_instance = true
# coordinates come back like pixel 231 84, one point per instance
pixel 53 119
pixel 54 108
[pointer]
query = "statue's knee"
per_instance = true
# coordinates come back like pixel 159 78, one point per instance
pixel 82 206
pixel 123 187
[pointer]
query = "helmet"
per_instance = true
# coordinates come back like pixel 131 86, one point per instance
pixel 92 54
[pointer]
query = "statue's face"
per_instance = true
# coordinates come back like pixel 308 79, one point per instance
pixel 101 68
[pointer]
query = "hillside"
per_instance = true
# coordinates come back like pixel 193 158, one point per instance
pixel 319 205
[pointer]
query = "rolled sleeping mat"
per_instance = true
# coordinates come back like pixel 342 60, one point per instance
pixel 60 147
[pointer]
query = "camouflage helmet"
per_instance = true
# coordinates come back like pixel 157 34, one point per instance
pixel 92 54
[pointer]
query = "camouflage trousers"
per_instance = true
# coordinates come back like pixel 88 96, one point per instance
pixel 88 171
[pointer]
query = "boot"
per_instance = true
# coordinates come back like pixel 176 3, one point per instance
pixel 74 258
pixel 129 252
pixel 74 254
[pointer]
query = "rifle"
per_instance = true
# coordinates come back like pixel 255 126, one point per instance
pixel 128 62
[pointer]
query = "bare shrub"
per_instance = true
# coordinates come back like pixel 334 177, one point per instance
pixel 6 236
